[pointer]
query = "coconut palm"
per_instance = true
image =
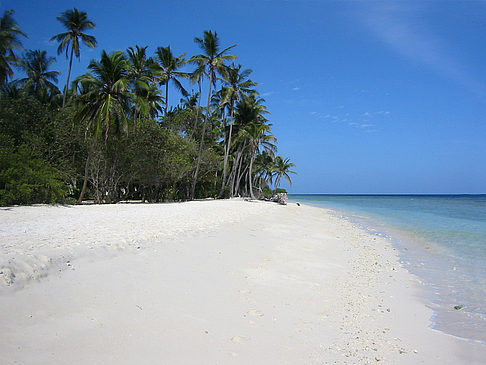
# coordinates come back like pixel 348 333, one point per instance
pixel 167 69
pixel 213 61
pixel 9 41
pixel 236 84
pixel 106 100
pixel 249 109
pixel 76 22
pixel 281 168
pixel 39 79
pixel 197 76
pixel 257 135
pixel 140 72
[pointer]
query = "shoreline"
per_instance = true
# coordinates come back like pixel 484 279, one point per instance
pixel 269 282
pixel 428 261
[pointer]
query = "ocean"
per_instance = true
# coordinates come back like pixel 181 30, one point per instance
pixel 441 239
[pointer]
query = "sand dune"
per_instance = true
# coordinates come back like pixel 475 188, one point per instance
pixel 213 282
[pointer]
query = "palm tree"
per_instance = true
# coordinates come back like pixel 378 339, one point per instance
pixel 237 84
pixel 9 41
pixel 197 76
pixel 249 109
pixel 39 79
pixel 168 66
pixel 257 135
pixel 141 76
pixel 106 101
pixel 281 168
pixel 213 61
pixel 76 22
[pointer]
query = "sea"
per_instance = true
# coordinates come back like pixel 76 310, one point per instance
pixel 440 238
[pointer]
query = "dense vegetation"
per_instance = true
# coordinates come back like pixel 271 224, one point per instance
pixel 112 135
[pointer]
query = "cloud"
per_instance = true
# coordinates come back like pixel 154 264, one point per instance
pixel 366 125
pixel 400 26
pixel 296 88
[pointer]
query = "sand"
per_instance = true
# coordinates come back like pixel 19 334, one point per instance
pixel 209 282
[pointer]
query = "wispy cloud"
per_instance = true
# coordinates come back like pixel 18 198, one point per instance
pixel 296 88
pixel 363 120
pixel 400 26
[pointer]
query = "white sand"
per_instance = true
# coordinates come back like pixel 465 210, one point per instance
pixel 213 282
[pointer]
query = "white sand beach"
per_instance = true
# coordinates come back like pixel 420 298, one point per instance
pixel 208 282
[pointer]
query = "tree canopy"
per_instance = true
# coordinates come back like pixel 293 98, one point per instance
pixel 117 136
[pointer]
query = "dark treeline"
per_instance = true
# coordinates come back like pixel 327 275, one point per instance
pixel 111 134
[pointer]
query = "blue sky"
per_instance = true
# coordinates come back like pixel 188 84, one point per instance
pixel 365 97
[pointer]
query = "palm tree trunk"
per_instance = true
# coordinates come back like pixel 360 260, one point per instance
pixel 241 174
pixel 277 183
pixel 249 176
pixel 67 80
pixel 166 96
pixel 232 176
pixel 226 150
pixel 193 188
pixel 238 174
pixel 85 182
pixel 197 111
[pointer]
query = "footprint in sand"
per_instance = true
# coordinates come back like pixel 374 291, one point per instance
pixel 255 313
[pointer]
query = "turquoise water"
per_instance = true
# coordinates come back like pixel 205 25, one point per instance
pixel 442 240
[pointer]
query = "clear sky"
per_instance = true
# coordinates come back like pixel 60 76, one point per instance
pixel 365 97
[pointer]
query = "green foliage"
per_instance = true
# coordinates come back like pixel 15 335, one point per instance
pixel 25 179
pixel 115 139
pixel 267 192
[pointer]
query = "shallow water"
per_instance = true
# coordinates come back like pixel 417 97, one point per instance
pixel 442 239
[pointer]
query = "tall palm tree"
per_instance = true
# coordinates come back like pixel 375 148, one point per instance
pixel 168 66
pixel 141 75
pixel 106 100
pixel 9 41
pixel 237 84
pixel 249 109
pixel 281 168
pixel 197 76
pixel 257 135
pixel 76 22
pixel 39 79
pixel 213 61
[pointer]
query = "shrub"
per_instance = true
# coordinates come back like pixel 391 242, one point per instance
pixel 25 179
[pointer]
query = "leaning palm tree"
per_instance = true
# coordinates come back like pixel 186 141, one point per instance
pixel 9 41
pixel 106 100
pixel 168 65
pixel 76 22
pixel 257 135
pixel 249 109
pixel 213 61
pixel 39 80
pixel 237 84
pixel 281 168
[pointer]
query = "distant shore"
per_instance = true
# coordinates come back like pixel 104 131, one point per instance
pixel 224 281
